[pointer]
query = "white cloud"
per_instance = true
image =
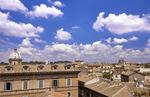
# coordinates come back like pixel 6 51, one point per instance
pixel 4 55
pixel 45 11
pixel 6 43
pixel 75 27
pixel 26 47
pixel 26 43
pixel 122 23
pixel 148 43
pixel 134 38
pixel 62 35
pixel 38 11
pixel 119 40
pixel 116 40
pixel 14 5
pixel 109 40
pixel 97 51
pixel 39 40
pixel 11 28
pixel 25 51
pixel 119 47
pixel 58 4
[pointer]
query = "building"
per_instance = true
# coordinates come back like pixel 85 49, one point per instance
pixel 98 87
pixel 37 80
pixel 90 86
pixel 144 70
pixel 99 69
pixel 131 76
pixel 118 69
pixel 94 69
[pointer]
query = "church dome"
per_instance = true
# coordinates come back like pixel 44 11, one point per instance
pixel 15 55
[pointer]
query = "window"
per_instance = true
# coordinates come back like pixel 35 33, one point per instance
pixel 147 79
pixel 7 86
pixel 116 76
pixel 55 83
pixel 68 94
pixel 8 68
pixel 68 82
pixel 25 84
pixel 41 83
pixel 41 67
pixel 55 67
pixel 26 68
pixel 68 67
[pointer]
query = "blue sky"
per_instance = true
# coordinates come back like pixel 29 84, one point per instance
pixel 90 30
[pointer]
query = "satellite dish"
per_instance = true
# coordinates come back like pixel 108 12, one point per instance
pixel 135 79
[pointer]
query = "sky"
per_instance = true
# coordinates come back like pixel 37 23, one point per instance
pixel 89 30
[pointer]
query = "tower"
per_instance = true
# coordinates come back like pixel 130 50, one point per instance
pixel 15 58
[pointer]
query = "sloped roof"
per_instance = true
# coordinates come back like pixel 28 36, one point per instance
pixel 109 89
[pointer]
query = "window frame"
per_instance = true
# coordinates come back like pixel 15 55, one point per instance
pixel 5 86
pixel 53 83
pixel 68 83
pixel 23 85
pixel 39 83
pixel 68 94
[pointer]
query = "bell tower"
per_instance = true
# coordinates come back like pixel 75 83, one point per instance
pixel 15 58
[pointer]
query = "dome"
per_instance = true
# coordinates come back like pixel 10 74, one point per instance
pixel 15 55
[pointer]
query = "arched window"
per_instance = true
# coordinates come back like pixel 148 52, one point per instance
pixel 68 94
pixel 8 68
pixel 26 68
pixel 40 67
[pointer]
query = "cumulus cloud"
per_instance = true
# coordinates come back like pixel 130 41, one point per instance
pixel 44 11
pixel 62 35
pixel 14 5
pixel 27 51
pixel 39 40
pixel 134 38
pixel 122 23
pixel 26 43
pixel 58 4
pixel 120 40
pixel 148 43
pixel 109 40
pixel 26 47
pixel 38 10
pixel 116 40
pixel 96 51
pixel 11 28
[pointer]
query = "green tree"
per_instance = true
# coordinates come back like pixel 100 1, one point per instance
pixel 107 75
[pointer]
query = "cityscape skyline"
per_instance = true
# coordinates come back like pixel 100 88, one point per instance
pixel 89 30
